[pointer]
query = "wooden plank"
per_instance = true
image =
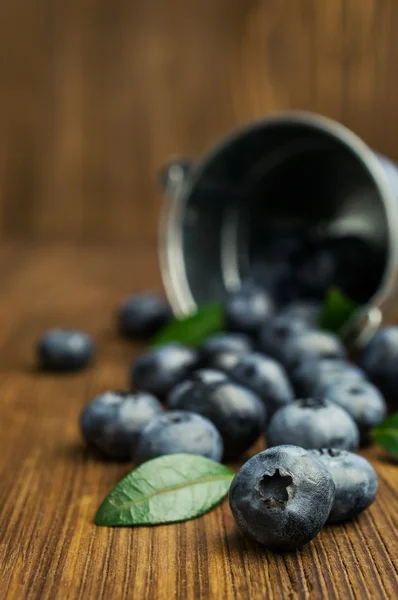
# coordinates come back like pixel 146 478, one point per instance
pixel 96 96
pixel 51 485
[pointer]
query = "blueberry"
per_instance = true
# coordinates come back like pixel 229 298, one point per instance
pixel 355 481
pixel 160 368
pixel 201 376
pixel 311 343
pixel 307 311
pixel 313 423
pixel 380 359
pixel 179 431
pixel 276 332
pixel 266 377
pixel 313 375
pixel 225 360
pixel 282 497
pixel 113 421
pixel 247 309
pixel 238 413
pixel 362 401
pixel 64 350
pixel 237 343
pixel 142 315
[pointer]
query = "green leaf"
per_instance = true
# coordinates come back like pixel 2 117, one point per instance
pixel 386 434
pixel 337 310
pixel 192 330
pixel 168 489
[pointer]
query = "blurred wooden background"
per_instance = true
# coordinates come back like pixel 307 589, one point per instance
pixel 96 95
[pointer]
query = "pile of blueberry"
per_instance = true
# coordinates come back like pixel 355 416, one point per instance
pixel 273 374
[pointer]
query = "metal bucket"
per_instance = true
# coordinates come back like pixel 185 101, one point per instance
pixel 294 168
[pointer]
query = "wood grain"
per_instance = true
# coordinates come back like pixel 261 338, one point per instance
pixel 51 485
pixel 95 95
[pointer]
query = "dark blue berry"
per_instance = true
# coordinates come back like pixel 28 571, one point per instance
pixel 64 350
pixel 362 401
pixel 199 376
pixel 312 376
pixel 355 481
pixel 276 332
pixel 311 343
pixel 307 311
pixel 238 413
pixel 266 377
pixel 225 360
pixel 313 423
pixel 142 315
pixel 380 361
pixel 113 421
pixel 282 497
pixel 238 343
pixel 161 368
pixel 179 431
pixel 247 309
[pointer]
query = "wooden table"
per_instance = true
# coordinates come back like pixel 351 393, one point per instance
pixel 51 485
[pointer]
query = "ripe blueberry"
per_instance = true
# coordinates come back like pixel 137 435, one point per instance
pixel 380 359
pixel 247 309
pixel 311 343
pixel 355 481
pixel 199 376
pixel 307 311
pixel 113 421
pixel 225 360
pixel 142 315
pixel 179 431
pixel 313 423
pixel 238 413
pixel 313 375
pixel 238 343
pixel 160 368
pixel 362 401
pixel 282 497
pixel 64 350
pixel 266 377
pixel 276 332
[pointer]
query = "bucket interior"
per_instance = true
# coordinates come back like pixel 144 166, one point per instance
pixel 271 179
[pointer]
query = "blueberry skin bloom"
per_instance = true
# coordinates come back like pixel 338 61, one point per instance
pixel 276 332
pixel 225 342
pixel 179 431
pixel 312 343
pixel 266 377
pixel 306 311
pixel 159 369
pixel 313 423
pixel 224 361
pixel 238 413
pixel 362 401
pixel 312 376
pixel 247 309
pixel 112 422
pixel 142 315
pixel 380 359
pixel 64 350
pixel 355 480
pixel 199 376
pixel 282 497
